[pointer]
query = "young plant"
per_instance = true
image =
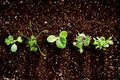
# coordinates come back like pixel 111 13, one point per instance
pixel 102 43
pixel 11 41
pixel 32 40
pixel 82 40
pixel 60 40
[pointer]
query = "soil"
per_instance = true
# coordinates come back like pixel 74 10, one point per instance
pixel 94 18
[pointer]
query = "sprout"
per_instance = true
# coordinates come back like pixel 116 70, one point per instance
pixel 81 40
pixel 102 43
pixel 60 40
pixel 10 40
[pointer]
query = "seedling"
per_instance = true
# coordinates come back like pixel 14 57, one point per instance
pixel 60 40
pixel 81 40
pixel 11 41
pixel 102 43
pixel 32 40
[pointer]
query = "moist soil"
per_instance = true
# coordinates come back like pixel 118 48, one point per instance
pixel 94 18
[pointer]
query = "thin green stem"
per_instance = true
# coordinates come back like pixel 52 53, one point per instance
pixel 30 23
pixel 45 31
pixel 40 50
pixel 23 35
pixel 14 41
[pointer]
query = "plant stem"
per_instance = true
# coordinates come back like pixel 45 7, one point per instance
pixel 14 41
pixel 30 23
pixel 45 31
pixel 24 35
pixel 40 50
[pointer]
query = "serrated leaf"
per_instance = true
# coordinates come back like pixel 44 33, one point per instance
pixel 51 38
pixel 63 34
pixel 79 45
pixel 14 48
pixel 107 45
pixel 87 41
pixel 110 42
pixel 97 47
pixel 79 38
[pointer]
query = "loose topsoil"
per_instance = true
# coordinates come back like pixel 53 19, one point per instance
pixel 94 18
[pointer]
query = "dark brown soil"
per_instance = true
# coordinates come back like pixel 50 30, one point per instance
pixel 94 18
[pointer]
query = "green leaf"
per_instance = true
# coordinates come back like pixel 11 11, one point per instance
pixel 79 38
pixel 82 35
pixel 33 49
pixel 9 40
pixel 10 37
pixel 14 48
pixel 110 42
pixel 97 47
pixel 74 43
pixel 87 41
pixel 63 34
pixel 79 45
pixel 61 42
pixel 31 42
pixel 19 39
pixel 33 37
pixel 107 45
pixel 51 38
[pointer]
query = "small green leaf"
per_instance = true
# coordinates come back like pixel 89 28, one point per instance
pixel 74 43
pixel 14 48
pixel 33 49
pixel 19 39
pixel 79 38
pixel 110 42
pixel 87 41
pixel 61 42
pixel 31 42
pixel 33 37
pixel 10 37
pixel 107 45
pixel 82 35
pixel 63 34
pixel 9 40
pixel 97 47
pixel 51 38
pixel 79 45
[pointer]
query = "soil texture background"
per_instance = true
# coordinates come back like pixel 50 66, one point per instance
pixel 94 18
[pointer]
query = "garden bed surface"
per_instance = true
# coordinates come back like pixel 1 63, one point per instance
pixel 94 18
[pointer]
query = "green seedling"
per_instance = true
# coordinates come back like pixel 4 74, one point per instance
pixel 82 40
pixel 60 40
pixel 102 43
pixel 11 41
pixel 32 40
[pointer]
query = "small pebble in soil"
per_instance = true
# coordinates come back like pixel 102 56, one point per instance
pixel 45 22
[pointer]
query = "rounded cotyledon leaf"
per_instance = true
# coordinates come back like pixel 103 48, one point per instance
pixel 61 42
pixel 63 34
pixel 51 38
pixel 19 39
pixel 14 48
